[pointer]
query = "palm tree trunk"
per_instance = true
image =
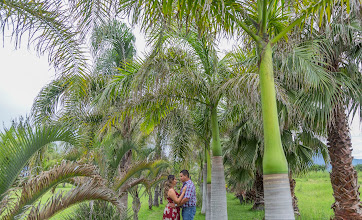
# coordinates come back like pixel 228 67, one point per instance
pixel 218 190
pixel 150 199
pixel 208 202
pixel 343 176
pixel 122 170
pixel 294 197
pixel 160 194
pixel 136 205
pixel 155 199
pixel 124 200
pixel 259 191
pixel 204 185
pixel 277 197
pixel 208 184
pixel 278 201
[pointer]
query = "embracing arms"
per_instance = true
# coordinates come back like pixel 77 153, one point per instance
pixel 172 195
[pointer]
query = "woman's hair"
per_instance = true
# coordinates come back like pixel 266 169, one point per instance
pixel 168 184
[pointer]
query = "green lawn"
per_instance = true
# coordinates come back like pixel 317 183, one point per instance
pixel 314 192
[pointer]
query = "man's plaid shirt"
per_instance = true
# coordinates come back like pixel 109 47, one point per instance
pixel 190 193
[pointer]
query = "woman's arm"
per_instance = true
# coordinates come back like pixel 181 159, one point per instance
pixel 172 195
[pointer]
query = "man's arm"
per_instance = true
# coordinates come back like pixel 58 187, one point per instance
pixel 183 201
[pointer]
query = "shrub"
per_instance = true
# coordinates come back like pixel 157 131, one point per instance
pixel 316 167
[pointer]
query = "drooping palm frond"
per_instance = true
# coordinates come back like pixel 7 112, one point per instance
pixel 91 190
pixel 61 96
pixel 47 101
pixel 36 187
pixel 21 141
pixel 47 26
pixel 137 168
pixel 86 14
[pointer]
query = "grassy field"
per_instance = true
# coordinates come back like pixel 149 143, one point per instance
pixel 314 192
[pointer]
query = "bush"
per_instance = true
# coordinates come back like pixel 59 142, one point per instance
pixel 316 167
pixel 358 167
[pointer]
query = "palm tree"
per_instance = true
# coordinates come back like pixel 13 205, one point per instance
pixel 343 60
pixel 198 76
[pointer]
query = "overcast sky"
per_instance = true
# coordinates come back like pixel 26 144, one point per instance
pixel 23 74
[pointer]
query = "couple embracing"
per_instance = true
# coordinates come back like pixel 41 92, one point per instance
pixel 185 200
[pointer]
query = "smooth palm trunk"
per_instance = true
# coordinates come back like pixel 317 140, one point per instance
pixel 208 202
pixel 218 190
pixel 208 185
pixel 277 198
pixel 343 176
pixel 204 185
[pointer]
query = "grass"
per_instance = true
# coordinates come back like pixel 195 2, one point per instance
pixel 315 195
pixel 235 210
pixel 313 190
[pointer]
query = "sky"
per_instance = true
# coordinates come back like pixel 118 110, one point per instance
pixel 23 74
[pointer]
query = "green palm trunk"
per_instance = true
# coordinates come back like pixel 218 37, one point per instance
pixel 278 201
pixel 218 190
pixel 274 161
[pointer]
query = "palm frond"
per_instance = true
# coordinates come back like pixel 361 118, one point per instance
pixel 46 24
pixel 21 141
pixel 91 190
pixel 39 185
pixel 87 14
pixel 136 168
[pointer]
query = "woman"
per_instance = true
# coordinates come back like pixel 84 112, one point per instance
pixel 171 212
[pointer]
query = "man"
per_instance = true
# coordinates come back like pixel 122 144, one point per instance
pixel 188 203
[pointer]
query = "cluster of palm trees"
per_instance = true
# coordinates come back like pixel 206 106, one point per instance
pixel 253 117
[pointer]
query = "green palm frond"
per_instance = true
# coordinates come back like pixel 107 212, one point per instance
pixel 90 190
pixel 136 168
pixel 23 140
pixel 86 14
pixel 47 26
pixel 308 138
pixel 48 99
pixel 113 45
pixel 62 96
pixel 303 66
pixel 39 185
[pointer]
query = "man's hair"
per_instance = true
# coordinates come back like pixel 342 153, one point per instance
pixel 185 173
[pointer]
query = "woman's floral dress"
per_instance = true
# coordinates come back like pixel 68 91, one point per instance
pixel 171 213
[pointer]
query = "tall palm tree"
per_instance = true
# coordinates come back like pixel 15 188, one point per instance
pixel 341 50
pixel 198 75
